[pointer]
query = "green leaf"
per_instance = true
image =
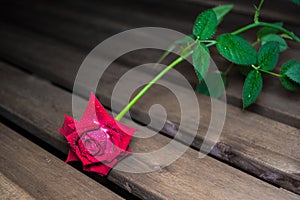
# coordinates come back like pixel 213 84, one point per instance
pixel 236 49
pixel 213 85
pixel 186 39
pixel 268 55
pixel 268 30
pixel 252 87
pixel 221 11
pixel 201 60
pixel 205 25
pixel 275 38
pixel 296 2
pixel 294 72
pixel 285 80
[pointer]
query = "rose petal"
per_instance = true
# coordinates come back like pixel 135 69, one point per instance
pixel 71 157
pixel 111 151
pixel 94 141
pixel 103 168
pixel 108 154
pixel 88 159
pixel 126 129
pixel 95 151
pixel 120 139
pixel 82 154
pixel 72 140
pixel 95 112
pixel 68 127
pixel 105 138
pixel 82 157
pixel 99 168
pixel 121 156
pixel 102 115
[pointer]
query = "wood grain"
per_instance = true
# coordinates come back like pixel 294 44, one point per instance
pixel 271 10
pixel 85 25
pixel 35 104
pixel 40 174
pixel 264 146
pixel 10 190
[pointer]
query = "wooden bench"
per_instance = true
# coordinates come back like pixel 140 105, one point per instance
pixel 29 172
pixel 250 141
pixel 177 180
pixel 85 25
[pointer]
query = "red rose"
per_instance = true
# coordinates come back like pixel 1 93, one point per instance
pixel 98 140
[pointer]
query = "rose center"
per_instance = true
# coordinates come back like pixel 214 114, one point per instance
pixel 92 146
pixel 94 141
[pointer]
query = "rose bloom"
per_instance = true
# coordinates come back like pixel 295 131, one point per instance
pixel 98 140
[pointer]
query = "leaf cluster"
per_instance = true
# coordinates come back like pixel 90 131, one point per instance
pixel 232 46
pixel 271 40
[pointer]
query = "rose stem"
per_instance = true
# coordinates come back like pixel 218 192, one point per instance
pixel 150 84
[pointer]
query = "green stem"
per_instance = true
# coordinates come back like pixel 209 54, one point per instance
pixel 256 42
pixel 271 73
pixel 257 11
pixel 189 46
pixel 265 71
pixel 149 85
pixel 245 28
pixel 210 41
pixel 265 24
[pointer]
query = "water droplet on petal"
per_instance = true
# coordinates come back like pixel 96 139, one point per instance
pixel 104 129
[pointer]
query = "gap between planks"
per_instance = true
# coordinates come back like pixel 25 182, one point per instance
pixel 264 146
pixel 60 71
pixel 41 106
pixel 29 172
pixel 85 29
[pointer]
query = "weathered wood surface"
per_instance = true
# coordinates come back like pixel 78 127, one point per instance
pixel 27 170
pixel 256 144
pixel 38 106
pixel 10 190
pixel 276 10
pixel 85 25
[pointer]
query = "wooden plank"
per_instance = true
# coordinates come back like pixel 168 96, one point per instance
pixel 104 17
pixel 90 29
pixel 40 174
pixel 10 190
pixel 271 9
pixel 33 103
pixel 74 29
pixel 263 146
pixel 68 19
